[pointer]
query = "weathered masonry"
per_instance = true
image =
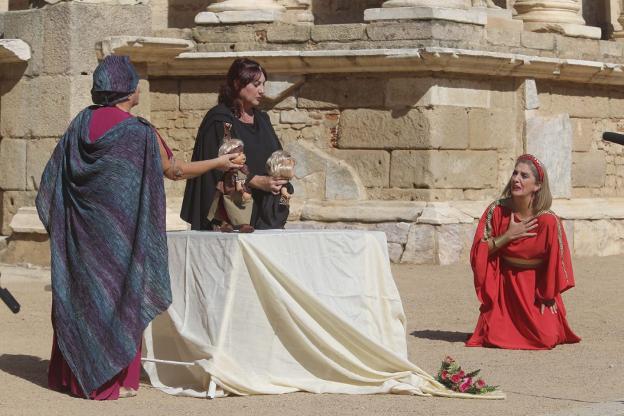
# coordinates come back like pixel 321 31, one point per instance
pixel 405 115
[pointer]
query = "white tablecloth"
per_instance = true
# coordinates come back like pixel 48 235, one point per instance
pixel 282 311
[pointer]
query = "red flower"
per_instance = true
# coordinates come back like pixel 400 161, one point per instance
pixel 444 375
pixel 480 384
pixel 461 374
pixel 456 378
pixel 467 383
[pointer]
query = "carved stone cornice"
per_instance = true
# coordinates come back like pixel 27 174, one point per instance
pixel 437 59
pixel 144 49
pixel 14 51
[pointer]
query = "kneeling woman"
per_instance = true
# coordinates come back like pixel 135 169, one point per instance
pixel 521 264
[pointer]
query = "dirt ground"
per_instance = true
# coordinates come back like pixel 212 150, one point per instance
pixel 441 309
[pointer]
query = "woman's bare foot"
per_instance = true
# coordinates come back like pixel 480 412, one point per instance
pixel 125 392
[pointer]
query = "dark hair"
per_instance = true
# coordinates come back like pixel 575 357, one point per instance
pixel 242 72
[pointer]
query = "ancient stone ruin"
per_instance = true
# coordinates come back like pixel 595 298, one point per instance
pixel 405 115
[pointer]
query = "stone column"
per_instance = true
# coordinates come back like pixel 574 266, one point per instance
pixel 240 11
pixel 618 33
pixel 297 11
pixel 453 10
pixel 559 16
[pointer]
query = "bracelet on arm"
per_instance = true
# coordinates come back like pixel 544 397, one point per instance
pixel 500 241
pixel 177 172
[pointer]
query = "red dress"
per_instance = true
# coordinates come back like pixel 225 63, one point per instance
pixel 513 282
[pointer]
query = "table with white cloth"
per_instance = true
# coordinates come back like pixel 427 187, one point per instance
pixel 281 311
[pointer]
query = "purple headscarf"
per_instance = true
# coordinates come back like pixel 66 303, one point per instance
pixel 114 80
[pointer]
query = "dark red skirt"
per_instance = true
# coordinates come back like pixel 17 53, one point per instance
pixel 61 378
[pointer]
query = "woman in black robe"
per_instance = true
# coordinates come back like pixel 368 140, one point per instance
pixel 237 115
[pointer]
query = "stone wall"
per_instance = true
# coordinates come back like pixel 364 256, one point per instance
pixel 39 100
pixel 407 137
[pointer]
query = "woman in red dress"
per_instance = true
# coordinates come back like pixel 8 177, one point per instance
pixel 521 264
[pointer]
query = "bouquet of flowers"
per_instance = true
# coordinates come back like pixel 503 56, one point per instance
pixel 454 378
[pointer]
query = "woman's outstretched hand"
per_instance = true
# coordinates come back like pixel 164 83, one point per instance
pixel 550 304
pixel 225 162
pixel 268 184
pixel 520 229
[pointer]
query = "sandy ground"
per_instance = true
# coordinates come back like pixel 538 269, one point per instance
pixel 441 309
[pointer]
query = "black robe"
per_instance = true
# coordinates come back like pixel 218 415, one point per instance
pixel 260 141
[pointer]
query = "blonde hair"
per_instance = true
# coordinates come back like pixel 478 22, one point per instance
pixel 542 199
pixel 281 164
pixel 230 145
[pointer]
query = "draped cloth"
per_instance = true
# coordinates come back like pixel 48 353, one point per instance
pixel 103 205
pixel 511 295
pixel 279 311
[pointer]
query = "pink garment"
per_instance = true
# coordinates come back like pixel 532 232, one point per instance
pixel 105 118
pixel 61 378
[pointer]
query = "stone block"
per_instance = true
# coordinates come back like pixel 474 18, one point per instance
pixel 340 181
pixel 362 211
pixel 531 96
pixel 396 232
pixel 228 34
pixel 583 131
pixel 578 101
pixel 294 117
pixel 424 30
pixel 443 169
pixel 550 140
pixel 26 220
pixel 395 251
pixel 13 162
pixel 420 247
pixel 611 49
pixel 27 25
pixel 372 166
pixel 338 33
pixel 616 104
pixel 414 91
pixel 491 129
pixel 142 109
pixel 399 31
pixel 503 94
pixel 65 52
pixel 482 194
pixel 575 48
pixel 278 86
pixel 198 94
pixel 287 103
pixel 51 102
pixel 11 202
pixel 454 243
pixel 165 94
pixel 288 33
pixel 588 169
pixel 474 16
pixel 438 213
pixel 473 209
pixel 38 153
pixel 502 37
pixel 598 238
pixel 542 41
pixel 353 92
pixel 440 127
pixel 403 194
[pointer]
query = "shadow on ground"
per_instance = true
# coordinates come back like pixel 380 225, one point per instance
pixel 436 335
pixel 27 367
